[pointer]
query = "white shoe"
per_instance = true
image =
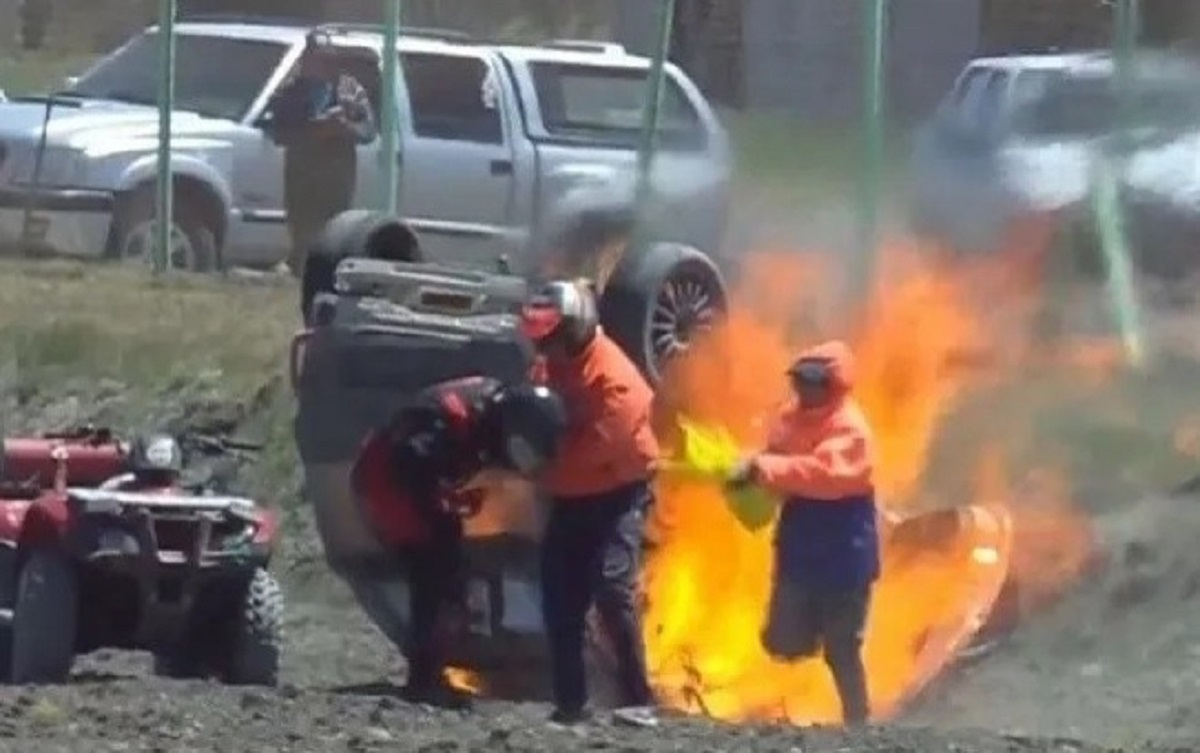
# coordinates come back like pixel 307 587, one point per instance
pixel 636 716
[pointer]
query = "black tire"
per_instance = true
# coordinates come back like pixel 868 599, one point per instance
pixel 138 208
pixel 256 634
pixel 644 286
pixel 356 233
pixel 45 619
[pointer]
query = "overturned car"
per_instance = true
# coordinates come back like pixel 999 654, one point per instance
pixel 383 324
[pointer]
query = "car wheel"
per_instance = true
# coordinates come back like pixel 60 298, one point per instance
pixel 256 634
pixel 193 244
pixel 658 301
pixel 45 619
pixel 357 233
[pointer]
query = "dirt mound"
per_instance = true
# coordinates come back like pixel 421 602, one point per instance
pixel 1119 657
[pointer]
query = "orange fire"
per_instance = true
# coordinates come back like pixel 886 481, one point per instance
pixel 465 680
pixel 924 340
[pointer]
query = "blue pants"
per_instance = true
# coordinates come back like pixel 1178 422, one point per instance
pixel 591 553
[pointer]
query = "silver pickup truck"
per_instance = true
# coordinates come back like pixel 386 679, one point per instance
pixel 498 142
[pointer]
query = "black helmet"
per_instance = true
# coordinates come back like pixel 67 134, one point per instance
pixel 562 315
pixel 156 455
pixel 530 422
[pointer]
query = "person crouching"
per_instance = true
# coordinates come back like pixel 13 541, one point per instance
pixel 820 458
pixel 411 479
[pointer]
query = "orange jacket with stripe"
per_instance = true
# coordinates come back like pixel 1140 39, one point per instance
pixel 609 442
pixel 822 462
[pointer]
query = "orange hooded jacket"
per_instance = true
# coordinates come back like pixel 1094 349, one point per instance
pixel 825 453
pixel 822 462
pixel 609 442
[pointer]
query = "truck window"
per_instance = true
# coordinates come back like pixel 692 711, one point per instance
pixel 989 107
pixel 605 104
pixel 217 77
pixel 451 98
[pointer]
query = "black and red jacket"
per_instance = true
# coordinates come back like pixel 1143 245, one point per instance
pixel 405 473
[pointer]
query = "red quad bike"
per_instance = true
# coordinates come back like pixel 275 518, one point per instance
pixel 105 544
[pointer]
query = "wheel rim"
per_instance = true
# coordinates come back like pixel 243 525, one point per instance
pixel 687 305
pixel 140 241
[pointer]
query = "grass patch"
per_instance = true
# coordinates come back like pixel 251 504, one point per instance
pixel 30 73
pixel 787 159
pixel 113 345
pixel 1115 440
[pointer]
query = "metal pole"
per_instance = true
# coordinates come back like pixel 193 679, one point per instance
pixel 390 146
pixel 1126 32
pixel 651 115
pixel 874 24
pixel 1108 211
pixel 166 107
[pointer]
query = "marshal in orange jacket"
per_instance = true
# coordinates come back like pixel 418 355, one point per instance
pixel 609 443
pixel 821 460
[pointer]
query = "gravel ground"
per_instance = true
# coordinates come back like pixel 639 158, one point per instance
pixel 1119 663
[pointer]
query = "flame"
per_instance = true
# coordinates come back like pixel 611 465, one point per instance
pixel 937 330
pixel 465 680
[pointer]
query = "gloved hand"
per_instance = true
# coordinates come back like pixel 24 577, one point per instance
pixel 743 474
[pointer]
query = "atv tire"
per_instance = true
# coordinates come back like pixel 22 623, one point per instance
pixel 357 233
pixel 45 619
pixel 657 299
pixel 255 634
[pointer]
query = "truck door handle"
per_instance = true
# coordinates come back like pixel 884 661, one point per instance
pixel 501 167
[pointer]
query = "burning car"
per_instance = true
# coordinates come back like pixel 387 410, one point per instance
pixel 103 544
pixel 383 324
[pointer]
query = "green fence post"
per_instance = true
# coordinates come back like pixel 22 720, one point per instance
pixel 164 208
pixel 1107 209
pixel 390 145
pixel 871 176
pixel 651 116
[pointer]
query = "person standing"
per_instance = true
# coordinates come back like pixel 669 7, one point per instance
pixel 600 491
pixel 320 117
pixel 820 459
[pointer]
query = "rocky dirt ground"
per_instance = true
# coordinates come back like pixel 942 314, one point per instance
pixel 1116 666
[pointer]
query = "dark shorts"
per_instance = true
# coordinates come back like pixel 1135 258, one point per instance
pixel 803 621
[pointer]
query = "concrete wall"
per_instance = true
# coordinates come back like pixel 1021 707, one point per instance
pixel 805 56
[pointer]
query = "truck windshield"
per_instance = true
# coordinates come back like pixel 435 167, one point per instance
pixel 216 77
pixel 593 103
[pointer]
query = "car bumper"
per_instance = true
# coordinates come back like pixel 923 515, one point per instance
pixel 61 221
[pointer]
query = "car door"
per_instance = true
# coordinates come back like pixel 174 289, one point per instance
pixel 457 171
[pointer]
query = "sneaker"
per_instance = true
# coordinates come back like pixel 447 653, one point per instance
pixel 636 716
pixel 561 717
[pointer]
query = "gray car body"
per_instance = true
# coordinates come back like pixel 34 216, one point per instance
pixel 99 151
pixel 975 175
